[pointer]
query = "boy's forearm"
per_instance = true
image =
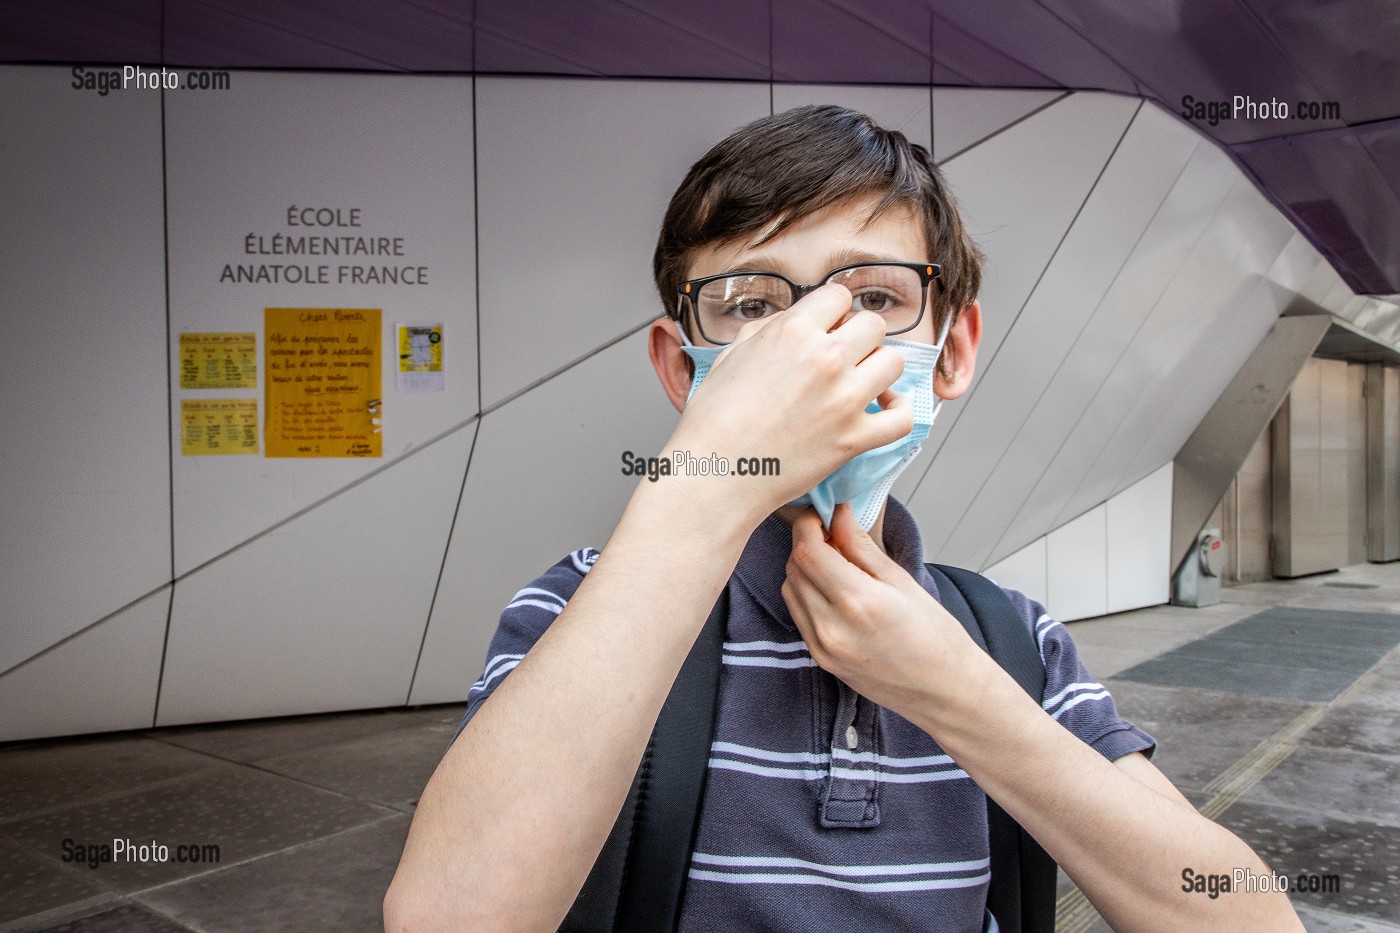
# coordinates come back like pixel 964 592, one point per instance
pixel 515 815
pixel 1124 843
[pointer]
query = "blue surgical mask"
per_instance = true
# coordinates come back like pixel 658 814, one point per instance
pixel 865 480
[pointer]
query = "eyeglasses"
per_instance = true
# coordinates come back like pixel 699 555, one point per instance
pixel 722 304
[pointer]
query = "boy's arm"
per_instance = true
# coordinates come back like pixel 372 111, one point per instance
pixel 512 820
pixel 517 811
pixel 1120 830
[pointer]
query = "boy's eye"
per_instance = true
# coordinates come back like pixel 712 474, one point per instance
pixel 750 309
pixel 877 301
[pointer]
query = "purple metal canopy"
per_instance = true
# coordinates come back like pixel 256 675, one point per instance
pixel 1332 166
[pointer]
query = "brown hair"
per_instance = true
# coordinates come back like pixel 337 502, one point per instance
pixel 792 164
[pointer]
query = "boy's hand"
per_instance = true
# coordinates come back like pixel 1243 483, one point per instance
pixel 866 620
pixel 795 386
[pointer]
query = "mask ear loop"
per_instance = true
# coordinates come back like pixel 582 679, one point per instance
pixel 938 352
pixel 680 321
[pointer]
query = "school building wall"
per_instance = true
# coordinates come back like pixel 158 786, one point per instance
pixel 1132 269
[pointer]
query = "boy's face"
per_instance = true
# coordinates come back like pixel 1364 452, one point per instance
pixel 806 253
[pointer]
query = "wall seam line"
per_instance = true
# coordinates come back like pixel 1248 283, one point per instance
pixel 1011 327
pixel 169 395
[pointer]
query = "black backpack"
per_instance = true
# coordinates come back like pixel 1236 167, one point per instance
pixel 638 881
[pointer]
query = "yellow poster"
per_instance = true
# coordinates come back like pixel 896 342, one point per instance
pixel 420 358
pixel 218 426
pixel 218 361
pixel 323 382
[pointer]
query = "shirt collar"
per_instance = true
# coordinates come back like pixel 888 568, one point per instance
pixel 763 566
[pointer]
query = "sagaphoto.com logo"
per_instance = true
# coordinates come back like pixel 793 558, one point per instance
pixel 1244 107
pixel 103 81
pixel 684 463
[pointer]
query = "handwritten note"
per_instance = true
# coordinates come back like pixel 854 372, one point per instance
pixel 323 370
pixel 218 361
pixel 218 426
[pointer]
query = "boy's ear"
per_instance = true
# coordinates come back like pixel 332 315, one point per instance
pixel 672 366
pixel 959 358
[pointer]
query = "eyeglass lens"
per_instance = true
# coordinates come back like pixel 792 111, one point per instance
pixel 723 306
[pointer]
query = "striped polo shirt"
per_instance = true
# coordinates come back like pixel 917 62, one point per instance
pixel 823 811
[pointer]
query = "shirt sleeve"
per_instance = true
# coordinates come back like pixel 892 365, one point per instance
pixel 1072 696
pixel 523 621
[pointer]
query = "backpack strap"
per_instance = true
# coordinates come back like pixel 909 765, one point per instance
pixel 1022 892
pixel 638 881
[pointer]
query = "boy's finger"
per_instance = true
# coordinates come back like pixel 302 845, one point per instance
pixel 860 335
pixel 879 370
pixel 824 307
pixel 826 568
pixel 858 547
pixel 894 422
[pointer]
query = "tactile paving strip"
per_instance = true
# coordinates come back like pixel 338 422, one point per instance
pixel 1310 655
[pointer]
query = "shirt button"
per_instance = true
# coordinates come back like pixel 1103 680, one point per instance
pixel 852 740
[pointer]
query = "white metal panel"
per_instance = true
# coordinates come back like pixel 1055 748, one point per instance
pixel 1025 571
pixel 1295 265
pixel 1236 318
pixel 964 116
pixel 1041 380
pixel 1356 463
pixel 1333 506
pixel 895 108
pixel 326 612
pixel 1019 193
pixel 1310 472
pixel 1360 310
pixel 1363 312
pixel 1385 322
pixel 102 680
pixel 397 147
pixel 1203 300
pixel 575 176
pixel 545 480
pixel 1076 563
pixel 1249 507
pixel 1156 259
pixel 1139 530
pixel 1337 296
pixel 85 469
pixel 1321 283
pixel 1382 462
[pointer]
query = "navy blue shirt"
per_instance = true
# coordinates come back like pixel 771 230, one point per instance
pixel 823 810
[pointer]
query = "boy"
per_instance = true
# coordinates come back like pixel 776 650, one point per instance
pixel 858 725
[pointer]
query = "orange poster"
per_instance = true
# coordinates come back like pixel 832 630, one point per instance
pixel 322 370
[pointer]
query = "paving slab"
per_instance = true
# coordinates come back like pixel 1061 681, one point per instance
pixel 36 777
pixel 243 811
pixel 390 768
pixel 255 740
pixel 336 883
pixel 1364 854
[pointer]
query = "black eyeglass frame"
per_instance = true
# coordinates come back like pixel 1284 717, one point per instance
pixel 928 272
